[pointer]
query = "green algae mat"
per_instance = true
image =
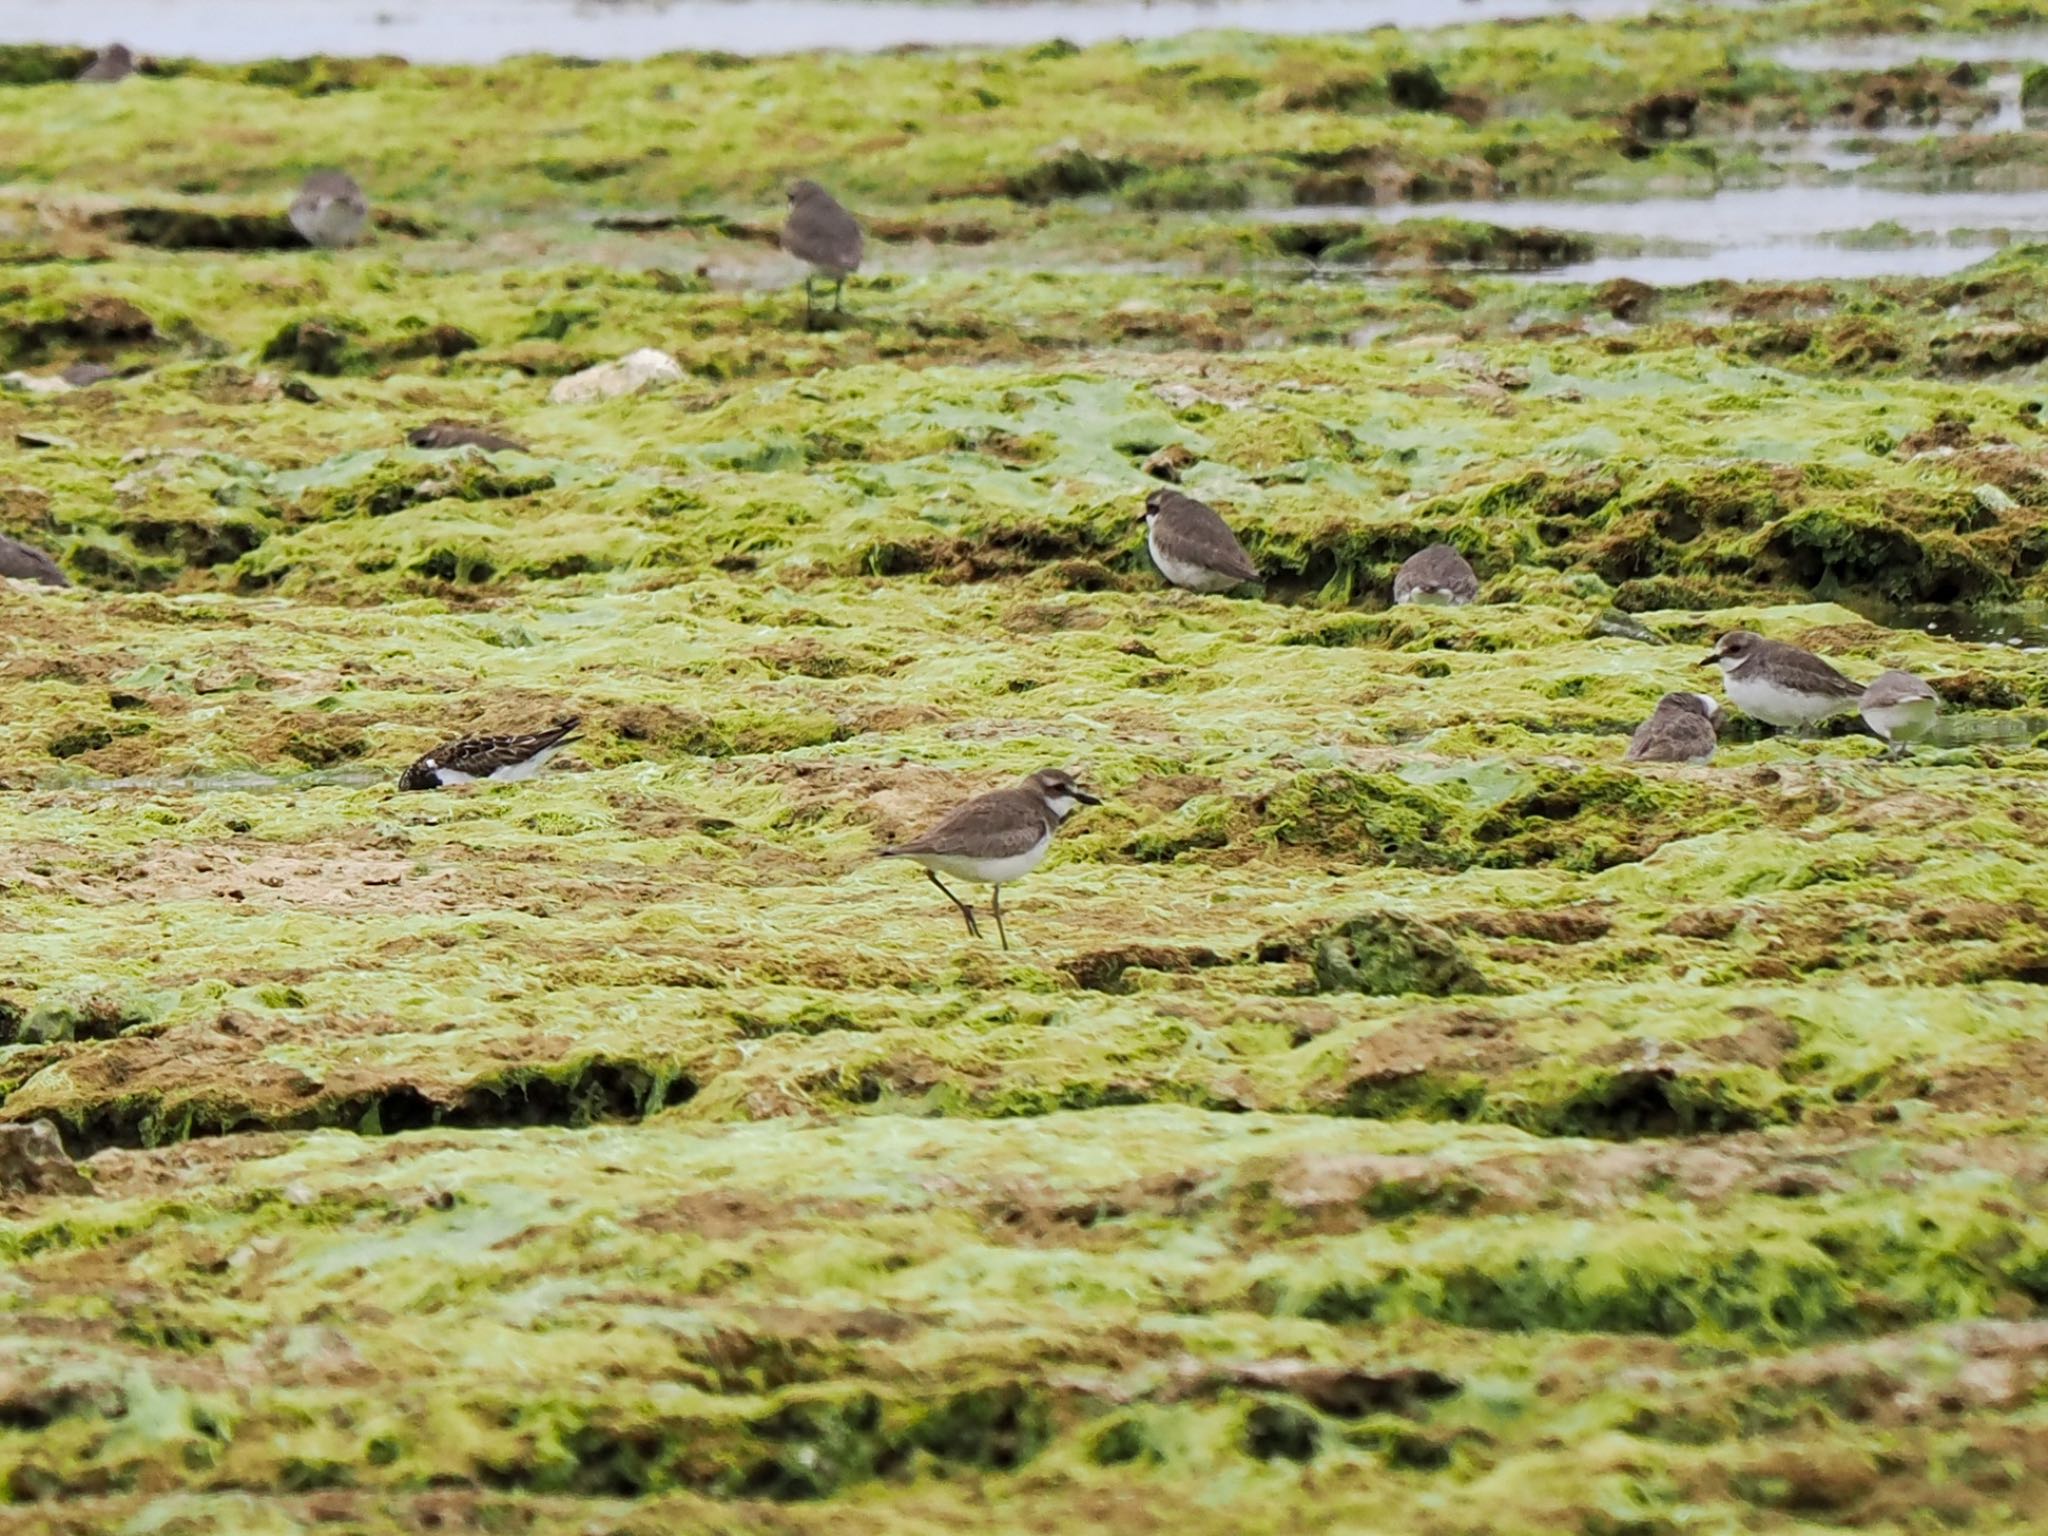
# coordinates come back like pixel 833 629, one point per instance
pixel 1396 1113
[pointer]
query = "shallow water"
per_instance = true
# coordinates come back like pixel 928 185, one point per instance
pixel 1890 51
pixel 2023 626
pixel 480 31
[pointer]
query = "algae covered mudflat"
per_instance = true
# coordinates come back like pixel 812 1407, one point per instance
pixel 1396 1112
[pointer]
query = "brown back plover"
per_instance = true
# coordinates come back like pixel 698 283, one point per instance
pixel 1680 730
pixel 24 562
pixel 330 209
pixel 996 838
pixel 1899 707
pixel 1438 577
pixel 1192 546
pixel 498 758
pixel 460 434
pixel 825 237
pixel 1780 684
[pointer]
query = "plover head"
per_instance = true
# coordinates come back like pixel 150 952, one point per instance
pixel 803 191
pixel 1155 503
pixel 1733 649
pixel 1056 787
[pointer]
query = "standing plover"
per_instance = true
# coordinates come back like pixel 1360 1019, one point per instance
pixel 1899 707
pixel 113 62
pixel 26 563
pixel 1192 546
pixel 1780 684
pixel 996 838
pixel 1680 730
pixel 499 758
pixel 1438 577
pixel 330 209
pixel 825 237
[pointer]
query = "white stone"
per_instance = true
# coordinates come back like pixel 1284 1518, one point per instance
pixel 628 376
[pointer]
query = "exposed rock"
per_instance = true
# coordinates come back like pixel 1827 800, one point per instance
pixel 1170 462
pixel 628 376
pixel 1387 954
pixel 1625 298
pixel 32 1162
pixel 455 434
pixel 114 63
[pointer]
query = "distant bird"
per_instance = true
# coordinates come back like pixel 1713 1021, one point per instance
pixel 456 434
pixel 1438 577
pixel 25 563
pixel 330 209
pixel 1681 729
pixel 1192 546
pixel 1899 707
pixel 1780 684
pixel 996 838
pixel 500 759
pixel 111 63
pixel 825 236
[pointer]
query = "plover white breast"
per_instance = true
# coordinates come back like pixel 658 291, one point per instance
pixel 1899 707
pixel 24 562
pixel 996 838
pixel 825 237
pixel 1438 577
pixel 500 759
pixel 1780 684
pixel 1681 729
pixel 330 209
pixel 1192 546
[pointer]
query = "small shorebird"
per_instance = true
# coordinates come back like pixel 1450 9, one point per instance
pixel 1192 546
pixel 1438 577
pixel 825 237
pixel 1680 730
pixel 330 209
pixel 1780 684
pixel 996 838
pixel 111 63
pixel 460 434
pixel 498 758
pixel 24 562
pixel 1899 707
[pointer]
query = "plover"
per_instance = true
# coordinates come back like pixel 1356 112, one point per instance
pixel 113 62
pixel 1899 707
pixel 1780 684
pixel 501 759
pixel 1192 546
pixel 26 563
pixel 1680 730
pixel 823 235
pixel 330 209
pixel 1438 577
pixel 996 838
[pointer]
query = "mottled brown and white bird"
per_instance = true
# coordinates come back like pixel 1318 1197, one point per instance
pixel 996 838
pixel 460 434
pixel 825 237
pixel 1780 684
pixel 1899 707
pixel 499 759
pixel 1192 546
pixel 24 562
pixel 1438 577
pixel 330 209
pixel 1681 729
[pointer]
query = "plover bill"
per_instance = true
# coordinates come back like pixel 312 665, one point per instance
pixel 1899 707
pixel 1437 577
pixel 825 237
pixel 500 759
pixel 330 209
pixel 1680 730
pixel 996 838
pixel 1192 546
pixel 1780 684
pixel 24 562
